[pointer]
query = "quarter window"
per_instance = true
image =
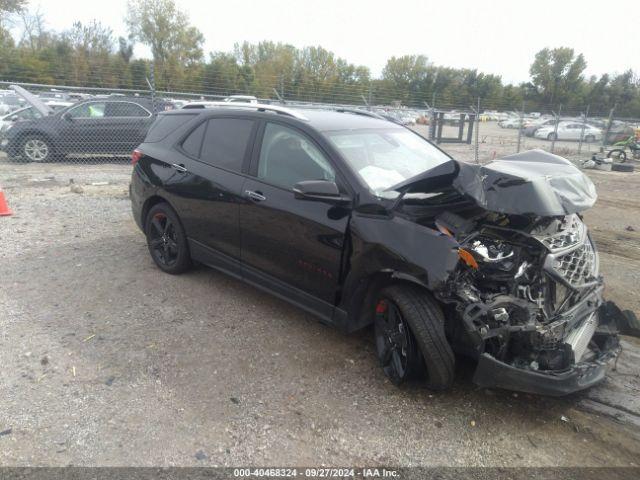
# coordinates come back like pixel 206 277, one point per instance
pixel 288 157
pixel 225 142
pixel 192 143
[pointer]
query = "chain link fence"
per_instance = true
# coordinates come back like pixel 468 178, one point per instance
pixel 64 124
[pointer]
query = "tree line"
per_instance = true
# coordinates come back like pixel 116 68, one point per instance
pixel 89 55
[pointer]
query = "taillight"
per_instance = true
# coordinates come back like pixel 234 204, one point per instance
pixel 135 156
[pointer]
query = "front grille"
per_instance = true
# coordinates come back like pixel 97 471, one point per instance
pixel 577 266
pixel 570 236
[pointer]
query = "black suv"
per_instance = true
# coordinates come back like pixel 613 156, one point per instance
pixel 361 221
pixel 100 126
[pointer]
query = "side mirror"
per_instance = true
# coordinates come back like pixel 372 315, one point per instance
pixel 67 116
pixel 319 191
pixel 13 118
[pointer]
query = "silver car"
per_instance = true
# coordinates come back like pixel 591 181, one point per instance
pixel 570 131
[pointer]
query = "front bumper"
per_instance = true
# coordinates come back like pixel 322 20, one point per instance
pixel 494 373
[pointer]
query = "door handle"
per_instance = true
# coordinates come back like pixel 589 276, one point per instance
pixel 179 167
pixel 255 196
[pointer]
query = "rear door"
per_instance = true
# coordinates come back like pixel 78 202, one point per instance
pixel 125 126
pixel 206 188
pixel 293 245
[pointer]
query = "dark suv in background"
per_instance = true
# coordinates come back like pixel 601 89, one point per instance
pixel 361 221
pixel 100 126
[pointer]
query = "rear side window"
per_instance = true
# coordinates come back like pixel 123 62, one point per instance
pixel 225 142
pixel 192 143
pixel 124 109
pixel 164 125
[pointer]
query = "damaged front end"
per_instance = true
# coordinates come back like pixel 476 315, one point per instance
pixel 526 296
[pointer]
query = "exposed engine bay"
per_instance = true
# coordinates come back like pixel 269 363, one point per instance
pixel 527 289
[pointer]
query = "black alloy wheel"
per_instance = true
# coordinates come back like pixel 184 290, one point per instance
pixel 396 346
pixel 162 240
pixel 166 239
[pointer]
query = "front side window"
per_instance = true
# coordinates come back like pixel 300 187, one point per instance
pixel 288 157
pixel 88 110
pixel 385 157
pixel 225 142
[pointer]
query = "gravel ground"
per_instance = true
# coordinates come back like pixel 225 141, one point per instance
pixel 106 361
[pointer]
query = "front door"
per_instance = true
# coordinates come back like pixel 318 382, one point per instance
pixel 294 244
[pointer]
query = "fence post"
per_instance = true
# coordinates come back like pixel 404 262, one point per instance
pixel 152 85
pixel 584 125
pixel 555 128
pixel 477 142
pixel 608 129
pixel 520 128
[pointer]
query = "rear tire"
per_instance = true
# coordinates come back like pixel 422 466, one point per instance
pixel 552 136
pixel 426 344
pixel 589 139
pixel 622 167
pixel 167 240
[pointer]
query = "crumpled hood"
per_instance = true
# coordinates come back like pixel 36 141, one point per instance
pixel 532 182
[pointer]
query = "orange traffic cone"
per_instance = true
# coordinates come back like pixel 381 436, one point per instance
pixel 4 207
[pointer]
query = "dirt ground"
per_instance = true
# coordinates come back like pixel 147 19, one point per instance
pixel 106 361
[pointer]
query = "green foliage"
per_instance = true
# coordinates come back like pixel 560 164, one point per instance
pixel 88 55
pixel 174 43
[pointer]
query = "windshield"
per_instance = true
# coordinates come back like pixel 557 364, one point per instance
pixel 385 157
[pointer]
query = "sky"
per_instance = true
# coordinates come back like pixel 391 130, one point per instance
pixel 499 37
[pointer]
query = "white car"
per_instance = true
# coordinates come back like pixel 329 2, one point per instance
pixel 511 122
pixel 570 131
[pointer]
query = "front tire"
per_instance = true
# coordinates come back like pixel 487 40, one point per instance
pixel 589 139
pixel 167 240
pixel 36 148
pixel 618 155
pixel 410 337
pixel 552 136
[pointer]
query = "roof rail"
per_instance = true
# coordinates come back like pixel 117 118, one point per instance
pixel 356 111
pixel 261 107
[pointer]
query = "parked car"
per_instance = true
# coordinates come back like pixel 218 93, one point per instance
pixel 113 125
pixel 241 99
pixel 511 122
pixel 362 221
pixel 570 131
pixel 28 113
pixel 531 127
pixel 10 102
